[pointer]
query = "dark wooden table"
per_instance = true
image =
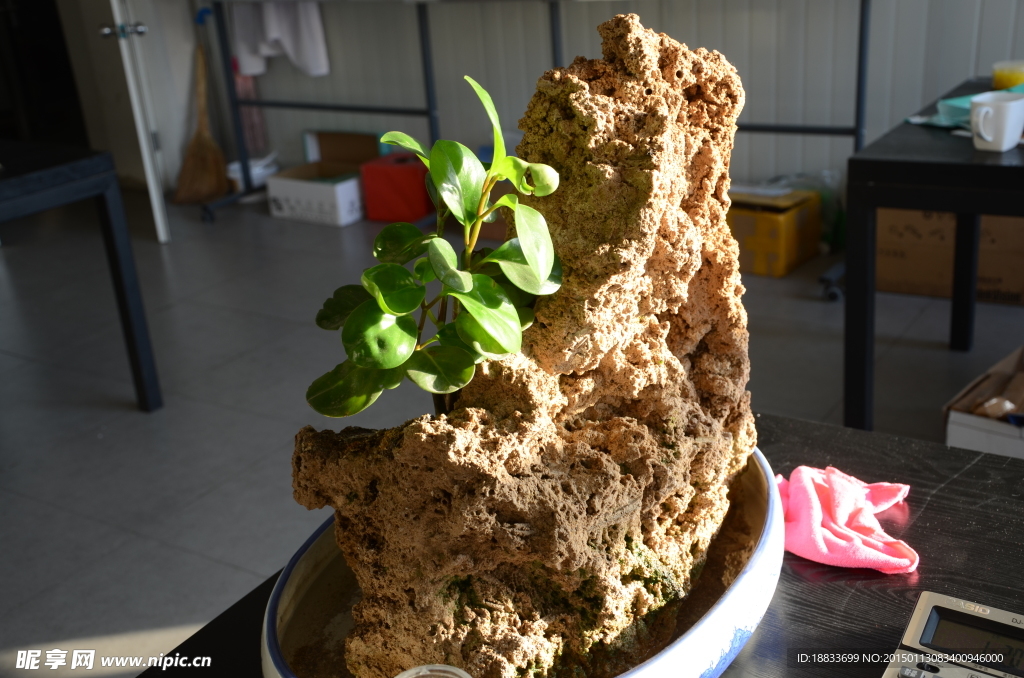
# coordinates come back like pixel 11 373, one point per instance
pixel 964 516
pixel 925 168
pixel 34 178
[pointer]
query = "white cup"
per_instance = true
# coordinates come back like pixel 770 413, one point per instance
pixel 997 120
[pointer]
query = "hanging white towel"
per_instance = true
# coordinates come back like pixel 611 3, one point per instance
pixel 267 29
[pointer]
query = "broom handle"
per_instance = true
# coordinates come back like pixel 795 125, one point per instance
pixel 202 115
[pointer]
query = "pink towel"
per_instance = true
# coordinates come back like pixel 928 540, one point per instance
pixel 830 518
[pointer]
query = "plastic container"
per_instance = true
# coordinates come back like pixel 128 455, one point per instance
pixel 1006 74
pixel 434 671
pixel 394 188
pixel 259 170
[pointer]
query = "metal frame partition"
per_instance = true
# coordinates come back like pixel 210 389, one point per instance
pixel 235 104
pixel 430 111
pixel 857 130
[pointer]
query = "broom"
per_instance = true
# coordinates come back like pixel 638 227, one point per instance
pixel 203 174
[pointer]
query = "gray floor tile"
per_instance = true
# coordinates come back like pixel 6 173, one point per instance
pixel 45 323
pixel 293 283
pixel 51 545
pixel 795 367
pixel 10 362
pixel 251 520
pixel 171 273
pixel 41 406
pixel 141 585
pixel 998 330
pixel 189 339
pixel 292 286
pixel 798 296
pixel 272 381
pixel 137 468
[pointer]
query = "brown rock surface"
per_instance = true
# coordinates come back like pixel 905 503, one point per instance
pixel 569 499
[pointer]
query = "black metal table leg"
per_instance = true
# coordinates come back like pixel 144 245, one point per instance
pixel 859 333
pixel 129 296
pixel 965 281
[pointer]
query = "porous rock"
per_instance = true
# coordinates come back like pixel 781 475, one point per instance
pixel 559 514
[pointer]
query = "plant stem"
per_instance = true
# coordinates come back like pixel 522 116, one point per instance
pixel 443 311
pixel 424 310
pixel 481 212
pixel 442 216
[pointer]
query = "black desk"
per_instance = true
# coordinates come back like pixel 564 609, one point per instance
pixel 34 178
pixel 964 516
pixel 925 168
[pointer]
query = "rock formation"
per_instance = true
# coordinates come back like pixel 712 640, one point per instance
pixel 561 511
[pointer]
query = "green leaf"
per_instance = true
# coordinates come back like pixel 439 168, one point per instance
pixel 545 179
pixel 535 241
pixel 423 270
pixel 408 143
pixel 446 266
pixel 513 264
pixel 348 389
pixel 376 339
pixel 513 169
pixel 399 243
pixel 526 317
pixel 489 269
pixel 479 341
pixel 510 200
pixel 459 178
pixel 431 188
pixel 440 369
pixel 449 336
pixel 394 288
pixel 490 307
pixel 518 297
pixel 492 114
pixel 393 378
pixel 337 309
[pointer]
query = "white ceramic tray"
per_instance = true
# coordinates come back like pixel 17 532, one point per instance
pixel 316 591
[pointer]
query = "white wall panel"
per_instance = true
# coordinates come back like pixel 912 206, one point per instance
pixel 797 59
pixel 375 61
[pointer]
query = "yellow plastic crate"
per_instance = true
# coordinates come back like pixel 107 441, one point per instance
pixel 775 234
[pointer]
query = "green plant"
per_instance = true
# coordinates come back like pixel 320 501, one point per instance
pixel 487 294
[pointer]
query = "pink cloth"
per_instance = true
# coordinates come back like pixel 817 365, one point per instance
pixel 830 518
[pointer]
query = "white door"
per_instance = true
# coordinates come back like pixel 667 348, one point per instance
pixel 128 31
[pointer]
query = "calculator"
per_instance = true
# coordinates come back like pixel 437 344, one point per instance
pixel 950 637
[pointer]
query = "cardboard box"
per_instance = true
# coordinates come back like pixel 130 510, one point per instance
pixel 327 190
pixel 775 234
pixel 973 432
pixel 915 255
pixel 318 192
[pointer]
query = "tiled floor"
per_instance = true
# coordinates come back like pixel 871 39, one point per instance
pixel 124 531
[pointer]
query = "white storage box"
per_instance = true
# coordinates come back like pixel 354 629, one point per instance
pixel 326 190
pixel 975 432
pixel 984 435
pixel 320 192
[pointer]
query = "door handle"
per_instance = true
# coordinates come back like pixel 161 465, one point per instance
pixel 123 30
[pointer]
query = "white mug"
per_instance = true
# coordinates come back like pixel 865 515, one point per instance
pixel 997 120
